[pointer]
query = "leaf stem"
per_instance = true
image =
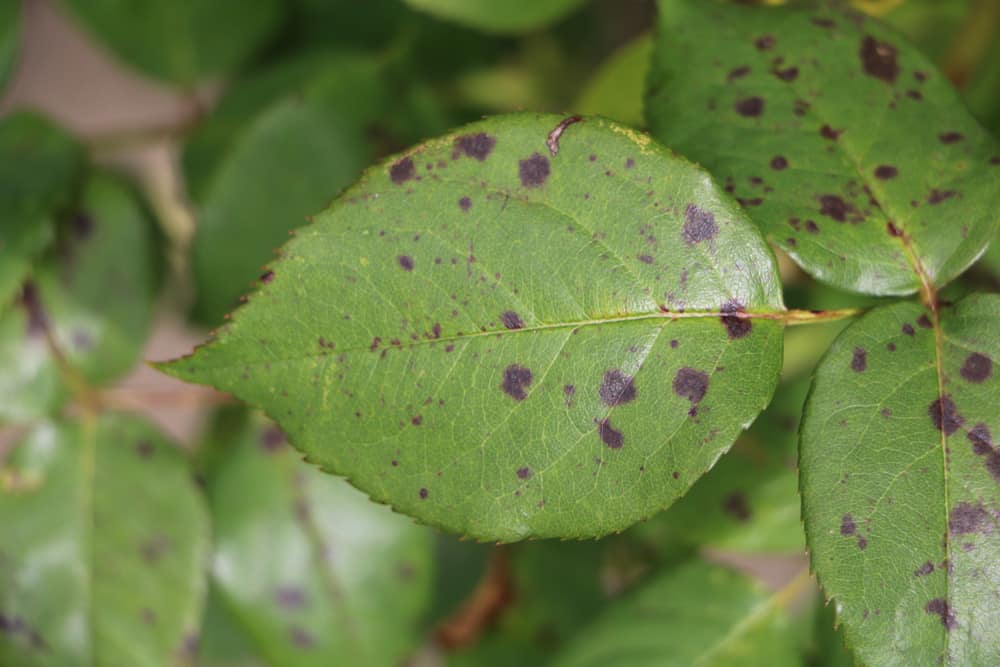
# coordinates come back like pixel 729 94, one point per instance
pixel 797 317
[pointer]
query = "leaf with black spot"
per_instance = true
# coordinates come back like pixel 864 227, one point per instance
pixel 422 349
pixel 864 167
pixel 900 481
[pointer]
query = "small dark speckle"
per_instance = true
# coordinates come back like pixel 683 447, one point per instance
pixel 751 107
pixel 524 473
pixel 977 367
pixel 950 137
pixel 878 59
pixel 944 415
pixel 824 22
pixel 736 326
pixel 924 322
pixel 691 384
pixel 940 607
pixel 267 276
pixel 674 344
pixel 937 196
pixel 828 132
pixel 402 171
pixel 617 388
pixel 417 420
pixel 533 170
pixel 885 172
pixel 778 162
pixel 909 330
pixel 699 225
pixel 609 435
pixel 862 542
pixel 891 347
pixel 478 146
pixel 893 230
pixel 924 570
pixel 465 203
pixel 645 259
pixel 423 494
pixel 629 163
pixel 511 320
pixel 272 439
pixel 765 42
pixel 735 504
pixel 981 439
pixel 738 73
pixel 405 262
pixel 789 74
pixel 516 380
pixel 833 206
pixel 859 360
pixel 847 526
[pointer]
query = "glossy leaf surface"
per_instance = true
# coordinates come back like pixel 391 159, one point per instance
pixel 487 335
pixel 900 479
pixel 104 540
pixel 310 569
pixel 698 614
pixel 845 145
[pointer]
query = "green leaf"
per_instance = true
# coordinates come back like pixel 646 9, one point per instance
pixel 182 42
pixel 499 16
pixel 92 299
pixel 488 336
pixel 39 169
pixel 223 643
pixel 848 148
pixel 900 482
pixel 616 89
pixel 307 566
pixel 305 152
pixel 698 614
pixel 747 503
pixel 103 541
pixel 828 648
pixel 10 38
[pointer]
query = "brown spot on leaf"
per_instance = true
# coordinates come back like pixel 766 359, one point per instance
pixel 765 42
pixel 937 196
pixel 878 59
pixel 944 415
pixel 267 276
pixel 924 322
pixel 516 380
pixel 736 326
pixel 533 170
pixel 859 360
pixel 738 73
pixel 828 132
pixel 511 320
pixel 909 330
pixel 478 146
pixel 691 384
pixel 617 388
pixel 405 262
pixel 812 227
pixel 965 519
pixel 977 367
pixel 789 74
pixel 552 141
pixel 524 473
pixel 950 137
pixel 778 162
pixel 465 203
pixel 847 526
pixel 699 225
pixel 402 171
pixel 940 607
pixel 751 107
pixel 893 230
pixel 884 172
pixel 981 439
pixel 424 493
pixel 609 435
pixel 834 206
pixel 924 570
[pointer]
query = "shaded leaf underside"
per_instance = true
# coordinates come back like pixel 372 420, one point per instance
pixel 532 327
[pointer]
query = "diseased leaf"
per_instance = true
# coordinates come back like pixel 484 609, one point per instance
pixel 39 169
pixel 307 566
pixel 103 541
pixel 616 89
pixel 184 41
pixel 487 333
pixel 92 298
pixel 305 151
pixel 698 614
pixel 499 16
pixel 900 480
pixel 848 148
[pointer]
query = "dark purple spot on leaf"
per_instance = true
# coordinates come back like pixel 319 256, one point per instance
pixel 735 504
pixel 828 132
pixel 812 227
pixel 765 42
pixel 524 473
pixel 478 146
pixel 691 384
pixel 424 493
pixel 937 196
pixel 859 360
pixel 533 170
pixel 736 326
pixel 847 526
pixel 465 203
pixel 402 171
pixel 981 439
pixel 267 276
pixel 940 607
pixel 977 367
pixel 645 259
pixel 924 322
pixel 511 320
pixel 885 172
pixel 699 225
pixel 750 107
pixel 405 262
pixel 878 59
pixel 909 330
pixel 609 435
pixel 950 137
pixel 617 388
pixel 944 415
pixel 833 206
pixel 738 73
pixel 778 162
pixel 789 74
pixel 516 380
pixel 924 570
